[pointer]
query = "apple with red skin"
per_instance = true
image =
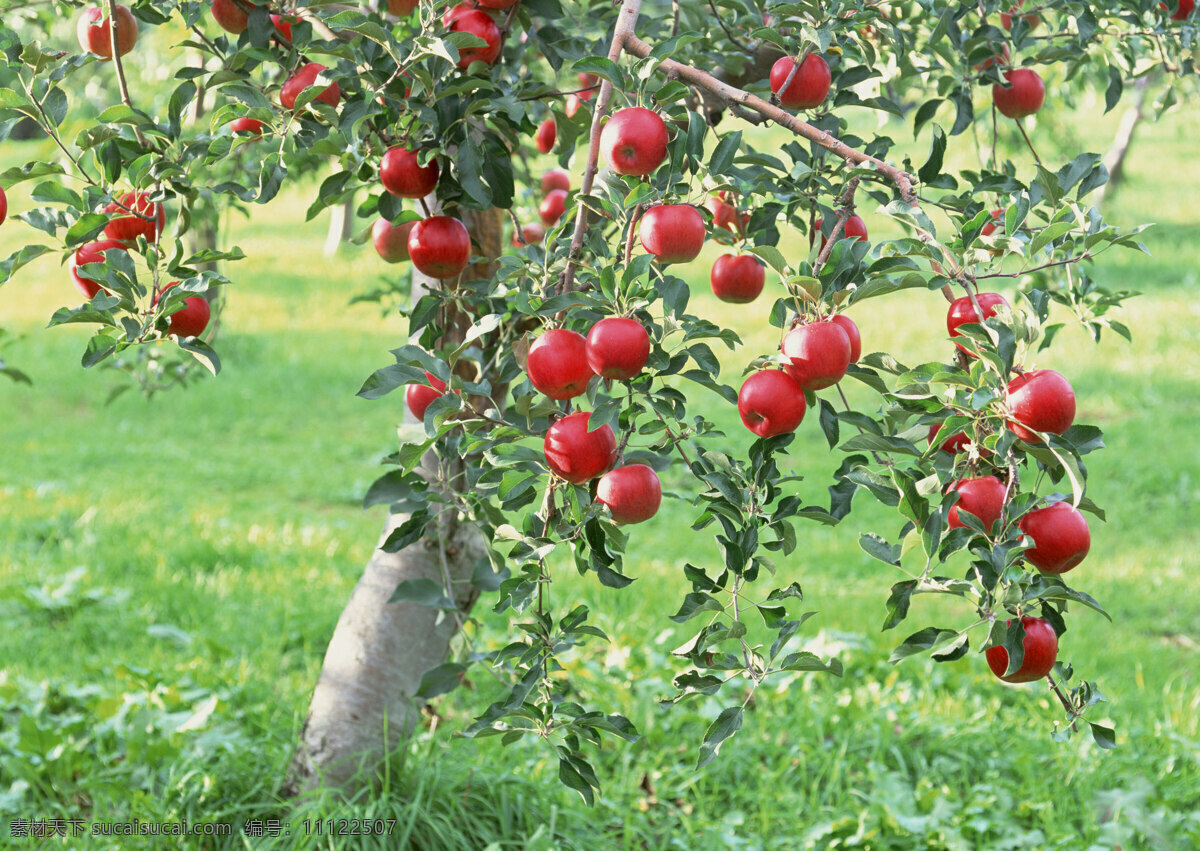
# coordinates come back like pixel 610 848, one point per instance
pixel 617 348
pixel 91 252
pixel 1060 535
pixel 546 135
pixel 819 352
pixel 1041 652
pixel 962 311
pixel 229 16
pixel 576 454
pixel 3 206
pixel 128 228
pixel 1182 10
pixel 1039 400
pixel 283 26
pixel 809 86
pixel 982 496
pixel 477 23
pixel 93 32
pixel 673 233
pixel 726 215
pixel 1006 18
pixel 439 247
pixel 1023 96
pixel 418 397
pixel 553 206
pixel 853 228
pixel 402 8
pixel 246 126
pixel 995 224
pixel 737 279
pixel 402 174
pixel 557 364
pixel 189 320
pixel 770 403
pixel 634 141
pixel 1002 58
pixel 301 80
pixel 632 493
pixel 588 82
pixel 847 324
pixel 391 241
pixel 952 445
pixel 573 104
pixel 555 178
pixel 534 233
pixel 455 12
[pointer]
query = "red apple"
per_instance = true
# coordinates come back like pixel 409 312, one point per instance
pixel 1182 10
pixel 982 496
pixel 617 347
pixel 230 16
pixel 995 224
pixel 246 126
pixel 91 252
pixel 301 80
pixel 401 173
pixel 553 206
pixel 189 320
pixel 555 178
pixel 809 86
pixel 418 397
pixel 847 324
pixel 587 81
pixel 963 311
pixel 128 228
pixel 576 454
pixel 952 445
pixel 3 206
pixel 455 12
pixel 402 8
pixel 547 132
pixel 534 233
pixel 558 364
pixel 673 233
pixel 283 26
pixel 1024 95
pixel 1060 536
pixel 1039 400
pixel 770 403
pixel 820 353
pixel 391 241
pixel 853 228
pixel 477 23
pixel 94 34
pixel 737 279
pixel 632 493
pixel 572 107
pixel 439 246
pixel 1041 651
pixel 1001 58
pixel 634 141
pixel 1006 18
pixel 725 215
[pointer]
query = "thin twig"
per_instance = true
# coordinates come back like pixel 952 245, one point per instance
pixel 745 48
pixel 120 69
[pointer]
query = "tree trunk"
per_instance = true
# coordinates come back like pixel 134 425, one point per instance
pixel 341 226
pixel 365 701
pixel 1114 160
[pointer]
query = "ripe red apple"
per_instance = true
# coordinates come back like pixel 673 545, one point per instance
pixel 3 206
pixel 555 178
pixel 1182 10
pixel 477 23
pixel 402 174
pixel 724 214
pixel 1060 535
pixel 737 279
pixel 402 8
pixel 632 493
pixel 301 80
pixel 847 324
pixel 553 206
pixel 573 104
pixel 982 496
pixel 128 228
pixel 587 81
pixel 391 241
pixel 995 224
pixel 534 233
pixel 617 347
pixel 558 364
pixel 809 86
pixel 962 311
pixel 283 26
pixel 546 134
pixel 853 228
pixel 673 233
pixel 189 320
pixel 229 16
pixel 247 126
pixel 952 445
pixel 94 34
pixel 1041 652
pixel 1024 96
pixel 1039 400
pixel 418 397
pixel 1001 58
pixel 770 403
pixel 439 246
pixel 1006 18
pixel 455 12
pixel 634 141
pixel 91 252
pixel 820 353
pixel 576 454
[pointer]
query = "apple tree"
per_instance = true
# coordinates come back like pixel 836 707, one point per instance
pixel 554 368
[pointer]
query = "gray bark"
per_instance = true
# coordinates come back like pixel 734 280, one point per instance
pixel 1114 160
pixel 341 226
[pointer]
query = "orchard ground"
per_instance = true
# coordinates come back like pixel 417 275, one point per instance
pixel 170 574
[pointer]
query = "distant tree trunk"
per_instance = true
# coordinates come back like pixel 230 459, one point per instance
pixel 1114 160
pixel 341 226
pixel 364 703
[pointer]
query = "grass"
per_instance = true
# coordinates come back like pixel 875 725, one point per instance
pixel 170 574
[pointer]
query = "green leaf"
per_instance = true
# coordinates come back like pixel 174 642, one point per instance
pixel 898 603
pixel 423 592
pixel 937 152
pixel 20 257
pixel 1105 737
pixel 725 725
pixel 444 678
pixel 877 547
pixel 202 352
pixel 695 603
pixel 408 532
pixel 98 348
pixel 919 642
pixel 726 150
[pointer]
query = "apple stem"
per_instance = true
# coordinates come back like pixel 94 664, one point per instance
pixel 1033 150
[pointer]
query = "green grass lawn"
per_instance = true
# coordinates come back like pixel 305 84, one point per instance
pixel 170 574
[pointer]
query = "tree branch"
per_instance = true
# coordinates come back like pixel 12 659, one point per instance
pixel 111 6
